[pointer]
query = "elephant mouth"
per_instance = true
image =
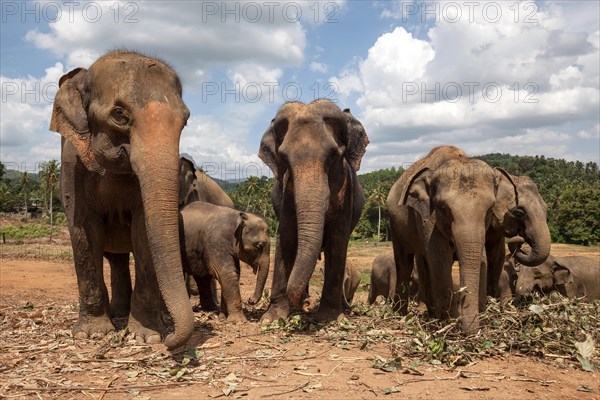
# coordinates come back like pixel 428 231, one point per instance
pixel 116 158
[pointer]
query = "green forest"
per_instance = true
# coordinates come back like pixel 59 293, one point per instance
pixel 570 189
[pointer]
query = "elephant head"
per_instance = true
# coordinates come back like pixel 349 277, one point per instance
pixel 197 186
pixel 311 149
pixel 187 182
pixel 520 210
pixel 254 249
pixel 124 115
pixel 456 199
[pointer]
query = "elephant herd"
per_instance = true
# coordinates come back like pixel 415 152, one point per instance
pixel 126 190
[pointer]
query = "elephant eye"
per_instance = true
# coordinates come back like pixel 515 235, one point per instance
pixel 119 116
pixel 259 246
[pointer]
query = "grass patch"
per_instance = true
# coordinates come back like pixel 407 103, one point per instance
pixel 28 231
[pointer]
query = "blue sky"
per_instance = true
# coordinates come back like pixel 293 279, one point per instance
pixel 487 76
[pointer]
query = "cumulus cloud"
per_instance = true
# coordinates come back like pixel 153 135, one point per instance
pixel 207 33
pixel 482 81
pixel 220 152
pixel 26 108
pixel 318 67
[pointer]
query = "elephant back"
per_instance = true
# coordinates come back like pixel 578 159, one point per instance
pixel 432 161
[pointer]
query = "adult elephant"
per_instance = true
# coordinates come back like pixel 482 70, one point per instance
pixel 520 212
pixel 193 186
pixel 197 186
pixel 440 209
pixel 121 121
pixel 314 151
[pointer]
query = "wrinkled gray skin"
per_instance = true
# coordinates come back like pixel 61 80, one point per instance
pixel 117 120
pixel 572 276
pixel 440 209
pixel 197 186
pixel 193 186
pixel 383 277
pixel 520 211
pixel 213 241
pixel 314 151
pixel 351 282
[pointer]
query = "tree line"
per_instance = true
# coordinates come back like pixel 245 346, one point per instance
pixel 570 189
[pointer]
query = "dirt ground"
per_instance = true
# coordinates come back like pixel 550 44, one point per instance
pixel 40 359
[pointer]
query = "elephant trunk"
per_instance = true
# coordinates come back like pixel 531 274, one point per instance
pixel 470 243
pixel 537 236
pixel 159 183
pixel 312 198
pixel 262 274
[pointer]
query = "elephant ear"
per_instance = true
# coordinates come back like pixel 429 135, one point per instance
pixel 187 181
pixel 507 195
pixel 239 227
pixel 357 140
pixel 562 274
pixel 267 151
pixel 417 193
pixel 69 117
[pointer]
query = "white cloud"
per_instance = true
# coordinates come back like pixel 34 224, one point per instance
pixel 318 67
pixel 538 75
pixel 216 33
pixel 26 108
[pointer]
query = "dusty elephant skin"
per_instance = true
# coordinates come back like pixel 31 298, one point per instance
pixel 571 276
pixel 351 282
pixel 314 151
pixel 520 211
pixel 213 241
pixel 383 277
pixel 115 125
pixel 440 209
pixel 197 186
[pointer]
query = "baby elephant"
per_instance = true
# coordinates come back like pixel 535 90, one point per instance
pixel 351 282
pixel 383 277
pixel 213 241
pixel 572 276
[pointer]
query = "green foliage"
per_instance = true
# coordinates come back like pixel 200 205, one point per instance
pixel 27 231
pixel 570 189
pixel 254 195
pixel 376 185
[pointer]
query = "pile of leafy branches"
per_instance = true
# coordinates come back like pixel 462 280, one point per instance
pixel 550 328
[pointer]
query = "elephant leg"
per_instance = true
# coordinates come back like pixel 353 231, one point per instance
pixel 191 284
pixel 496 254
pixel 279 306
pixel 336 246
pixel 120 283
pixel 423 294
pixel 483 279
pixel 145 316
pixel 207 291
pixel 439 264
pixel 87 235
pixel 231 300
pixel 404 265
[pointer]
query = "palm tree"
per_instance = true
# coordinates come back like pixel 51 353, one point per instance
pixel 378 196
pixel 49 173
pixel 252 185
pixel 24 187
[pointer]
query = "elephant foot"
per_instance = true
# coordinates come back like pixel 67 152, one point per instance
pixel 275 312
pixel 234 317
pixel 90 327
pixel 142 333
pixel 329 314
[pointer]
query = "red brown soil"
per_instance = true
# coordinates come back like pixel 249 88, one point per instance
pixel 37 353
